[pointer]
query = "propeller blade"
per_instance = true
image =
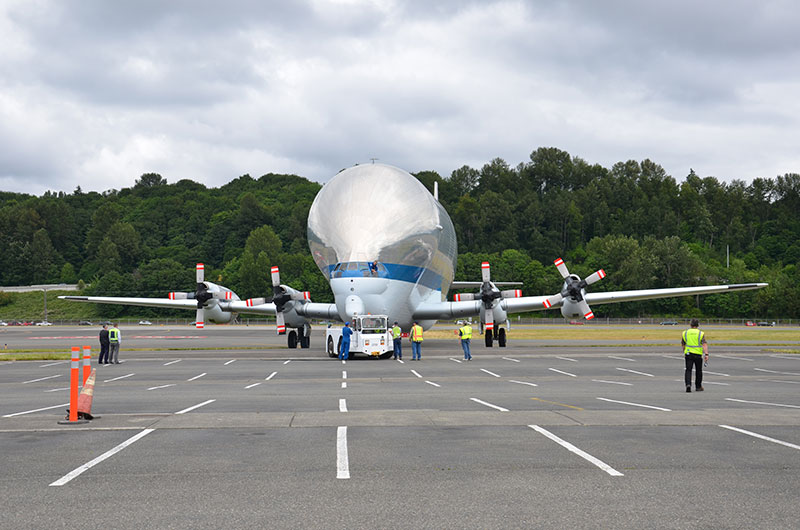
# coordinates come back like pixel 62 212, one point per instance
pixel 281 324
pixel 485 272
pixel 201 269
pixel 276 277
pixel 199 320
pixel 511 293
pixel 553 300
pixel 180 296
pixel 466 297
pixel 562 268
pixel 298 295
pixel 599 275
pixel 255 301
pixel 584 307
pixel 489 314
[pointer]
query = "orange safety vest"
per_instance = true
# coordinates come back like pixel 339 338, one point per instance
pixel 416 333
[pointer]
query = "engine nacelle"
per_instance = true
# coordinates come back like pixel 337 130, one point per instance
pixel 213 313
pixel 570 309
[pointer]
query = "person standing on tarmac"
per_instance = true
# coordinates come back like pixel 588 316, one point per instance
pixel 694 350
pixel 103 357
pixel 114 340
pixel 397 341
pixel 465 332
pixel 344 353
pixel 416 342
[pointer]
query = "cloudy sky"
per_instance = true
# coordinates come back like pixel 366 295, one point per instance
pixel 94 93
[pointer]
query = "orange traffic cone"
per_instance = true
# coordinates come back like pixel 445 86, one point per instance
pixel 85 398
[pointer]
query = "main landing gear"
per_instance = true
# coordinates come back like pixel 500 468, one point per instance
pixel 498 335
pixel 300 336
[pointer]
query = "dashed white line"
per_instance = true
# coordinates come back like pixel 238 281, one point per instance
pixel 57 389
pixel 510 359
pixel 342 405
pixel 287 361
pixel 522 383
pixel 344 384
pixel 41 379
pixel 434 384
pixel 253 385
pixel 635 404
pixel 621 358
pixel 774 372
pixel 35 410
pixel 560 372
pixel 567 359
pixel 732 357
pixel 203 404
pixel 172 362
pixel 344 374
pixel 120 377
pixel 455 360
pixel 76 472
pixel 401 361
pixel 162 386
pixel 270 376
pixel 342 461
pixel 764 403
pixel 635 372
pixel 501 409
pixel 612 382
pixel 715 373
pixel 778 381
pixel 229 362
pixel 415 373
pixel 490 373
pixel 53 364
pixel 197 377
pixel 583 454
pixel 761 436
pixel 672 357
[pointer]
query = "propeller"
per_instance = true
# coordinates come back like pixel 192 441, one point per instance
pixel 281 294
pixel 488 294
pixel 573 288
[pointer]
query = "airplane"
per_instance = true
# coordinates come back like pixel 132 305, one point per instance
pixel 388 247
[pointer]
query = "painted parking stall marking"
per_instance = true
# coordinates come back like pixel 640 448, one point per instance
pixel 172 362
pixel 41 379
pixel 35 410
pixel 567 359
pixel 763 403
pixel 490 373
pixel 560 372
pixel 761 436
pixel 583 454
pixel 342 460
pixel 161 386
pixel 621 358
pixel 196 377
pixel 635 404
pixel 612 382
pixel 635 372
pixel 120 377
pixel 203 404
pixel 501 409
pixel 522 382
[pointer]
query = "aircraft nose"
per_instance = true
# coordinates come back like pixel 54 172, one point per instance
pixel 353 305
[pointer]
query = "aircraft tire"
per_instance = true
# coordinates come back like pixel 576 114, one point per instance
pixel 292 339
pixel 501 337
pixel 487 337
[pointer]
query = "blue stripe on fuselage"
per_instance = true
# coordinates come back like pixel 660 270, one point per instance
pixel 391 271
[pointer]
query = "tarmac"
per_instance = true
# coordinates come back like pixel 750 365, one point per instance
pixel 242 432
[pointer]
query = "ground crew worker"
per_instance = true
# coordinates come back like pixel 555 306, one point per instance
pixel 344 353
pixel 694 349
pixel 114 340
pixel 416 342
pixel 103 357
pixel 465 332
pixel 397 340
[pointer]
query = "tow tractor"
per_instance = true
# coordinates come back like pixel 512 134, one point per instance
pixel 371 336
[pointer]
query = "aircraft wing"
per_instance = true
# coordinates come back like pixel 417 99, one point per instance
pixel 145 302
pixel 650 294
pixel 308 309
pixel 477 285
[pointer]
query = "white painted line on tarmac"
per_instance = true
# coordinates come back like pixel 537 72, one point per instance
pixel 344 362
pixel 287 361
pixel 560 372
pixel 342 405
pixel 197 377
pixel 342 462
pixel 401 361
pixel 415 373
pixel 567 359
pixel 635 372
pixel 120 377
pixel 41 379
pixel 35 410
pixel 162 386
pixel 434 384
pixel 522 383
pixel 715 383
pixel 715 373
pixel 672 357
pixel 172 362
pixel 774 372
pixel 344 384
pixel 251 386
pixel 635 404
pixel 583 454
pixel 490 373
pixel 57 389
pixel 761 436
pixel 778 381
pixel 229 362
pixel 511 359
pixel 76 472
pixel 764 403
pixel 203 404
pixel 270 376
pixel 455 360
pixel 732 357
pixel 780 356
pixel 501 409
pixel 344 374
pixel 612 382
pixel 52 364
pixel 621 358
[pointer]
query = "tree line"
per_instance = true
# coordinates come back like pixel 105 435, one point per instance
pixel 646 229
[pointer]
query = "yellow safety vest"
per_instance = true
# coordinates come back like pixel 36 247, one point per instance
pixel 693 340
pixel 466 332
pixel 113 335
pixel 416 333
pixel 396 332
